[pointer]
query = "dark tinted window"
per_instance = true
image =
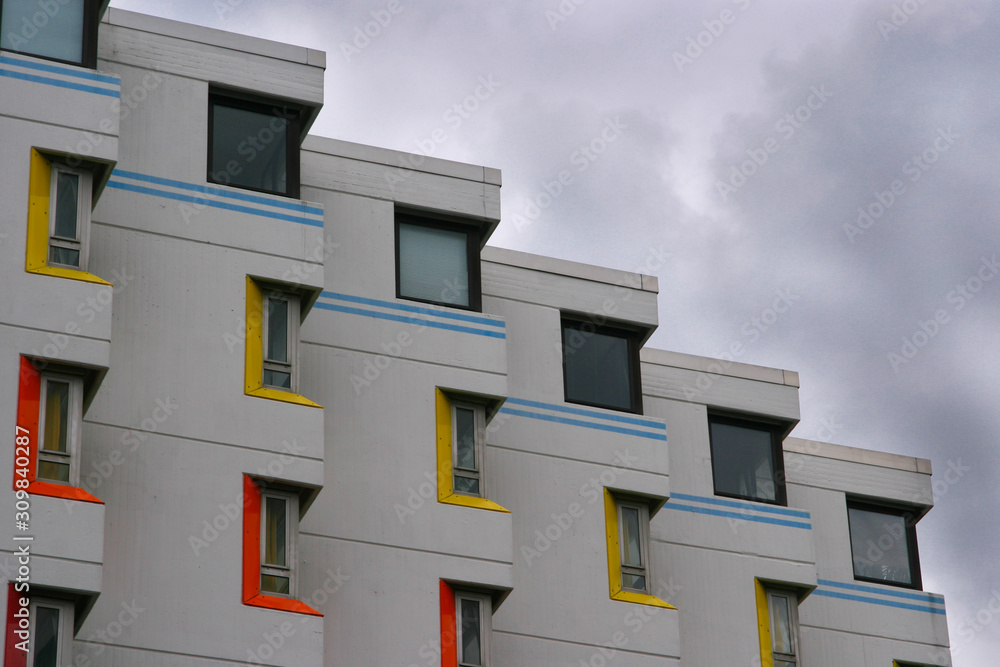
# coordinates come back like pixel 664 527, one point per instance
pixel 600 366
pixel 437 261
pixel 254 145
pixel 746 460
pixel 58 30
pixel 883 545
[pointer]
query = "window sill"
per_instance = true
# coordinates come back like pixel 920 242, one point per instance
pixel 281 395
pixel 40 488
pixel 72 274
pixel 281 604
pixel 641 598
pixel 469 501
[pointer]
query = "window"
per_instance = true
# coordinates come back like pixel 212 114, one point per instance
pixel 747 460
pixel 472 611
pixel 783 606
pixel 279 519
pixel 49 421
pixel 254 144
pixel 468 427
pixel 65 31
pixel 437 261
pixel 884 544
pixel 60 415
pixel 69 216
pixel 51 633
pixel 461 449
pixel 633 528
pixel 627 527
pixel 281 333
pixel 601 366
pixel 270 534
pixel 272 333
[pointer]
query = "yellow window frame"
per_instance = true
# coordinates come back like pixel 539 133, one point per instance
pixel 37 251
pixel 615 560
pixel 446 482
pixel 254 360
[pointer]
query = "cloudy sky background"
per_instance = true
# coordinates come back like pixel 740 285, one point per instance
pixel 920 80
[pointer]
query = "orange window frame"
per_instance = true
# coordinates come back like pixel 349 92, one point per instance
pixel 251 557
pixel 28 404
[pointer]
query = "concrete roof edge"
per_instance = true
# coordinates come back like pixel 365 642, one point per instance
pixel 858 455
pixel 715 366
pixel 564 267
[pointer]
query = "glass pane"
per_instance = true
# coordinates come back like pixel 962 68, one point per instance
pixel 631 545
pixel 67 205
pixel 277 330
pixel 272 584
pixel 471 639
pixel 56 415
pixel 781 625
pixel 878 542
pixel 64 256
pixel 46 637
pixel 57 472
pixel 275 540
pixel 467 485
pixel 433 264
pixel 636 582
pixel 50 30
pixel 783 663
pixel 465 439
pixel 742 461
pixel 249 148
pixel 277 379
pixel 597 368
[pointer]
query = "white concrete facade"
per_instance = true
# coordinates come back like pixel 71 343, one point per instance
pixel 152 552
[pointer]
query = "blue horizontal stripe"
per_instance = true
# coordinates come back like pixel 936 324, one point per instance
pixel 414 309
pixel 589 413
pixel 209 190
pixel 884 603
pixel 409 320
pixel 215 204
pixel 56 69
pixel 734 515
pixel 748 506
pixel 60 84
pixel 922 597
pixel 577 422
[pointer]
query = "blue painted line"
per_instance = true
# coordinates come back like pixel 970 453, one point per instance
pixel 60 84
pixel 409 320
pixel 209 190
pixel 209 202
pixel 414 309
pixel 884 603
pixel 589 413
pixel 748 506
pixel 577 422
pixel 56 69
pixel 735 515
pixel 922 597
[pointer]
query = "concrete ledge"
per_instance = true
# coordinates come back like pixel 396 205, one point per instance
pixel 564 267
pixel 214 37
pixel 719 367
pixel 857 455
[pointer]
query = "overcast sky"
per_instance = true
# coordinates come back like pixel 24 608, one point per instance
pixel 841 154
